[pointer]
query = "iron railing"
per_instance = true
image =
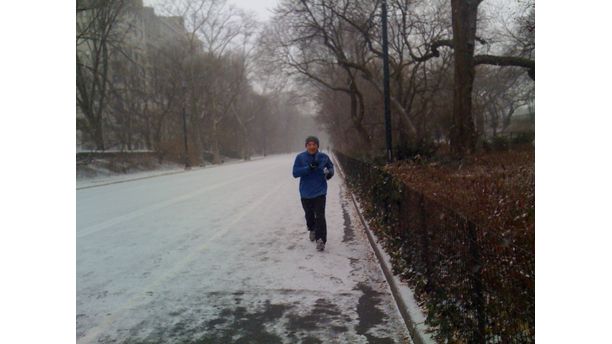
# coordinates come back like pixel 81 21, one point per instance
pixel 476 284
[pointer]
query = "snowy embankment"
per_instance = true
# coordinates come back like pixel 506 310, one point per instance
pixel 102 176
pixel 222 255
pixel 110 178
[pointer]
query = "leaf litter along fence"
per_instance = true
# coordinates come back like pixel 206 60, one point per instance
pixel 476 284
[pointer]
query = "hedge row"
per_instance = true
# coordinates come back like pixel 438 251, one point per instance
pixel 477 285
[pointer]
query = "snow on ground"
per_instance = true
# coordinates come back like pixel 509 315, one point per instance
pixel 221 255
pixel 103 176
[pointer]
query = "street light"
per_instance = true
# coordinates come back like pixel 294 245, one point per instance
pixel 385 46
pixel 187 162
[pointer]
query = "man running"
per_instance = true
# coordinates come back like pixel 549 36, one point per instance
pixel 314 169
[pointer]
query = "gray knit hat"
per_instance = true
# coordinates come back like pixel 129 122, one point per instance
pixel 312 139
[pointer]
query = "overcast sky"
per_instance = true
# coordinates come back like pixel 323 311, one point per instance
pixel 261 8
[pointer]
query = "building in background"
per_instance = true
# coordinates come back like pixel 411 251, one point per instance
pixel 135 37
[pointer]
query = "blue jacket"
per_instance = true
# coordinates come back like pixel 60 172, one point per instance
pixel 312 181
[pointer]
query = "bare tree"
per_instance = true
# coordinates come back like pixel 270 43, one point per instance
pixel 127 103
pixel 335 46
pixel 96 34
pixel 214 29
pixel 318 47
pixel 464 21
pixel 165 96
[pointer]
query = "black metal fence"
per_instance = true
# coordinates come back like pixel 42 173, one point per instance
pixel 476 284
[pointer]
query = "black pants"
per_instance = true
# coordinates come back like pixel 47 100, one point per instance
pixel 314 208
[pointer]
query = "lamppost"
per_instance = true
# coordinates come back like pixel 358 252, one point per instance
pixel 385 46
pixel 187 162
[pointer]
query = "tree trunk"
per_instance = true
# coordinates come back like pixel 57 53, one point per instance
pixel 246 153
pixel 403 135
pixel 215 142
pixel 147 129
pixel 98 136
pixel 357 117
pixel 480 124
pixel 463 136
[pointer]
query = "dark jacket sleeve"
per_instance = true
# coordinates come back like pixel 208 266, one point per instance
pixel 330 167
pixel 299 170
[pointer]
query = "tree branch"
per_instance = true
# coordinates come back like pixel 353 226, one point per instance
pixel 434 50
pixel 504 61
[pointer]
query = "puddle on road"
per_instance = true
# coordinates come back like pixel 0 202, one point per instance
pixel 370 315
pixel 241 326
pixel 349 234
pixel 323 314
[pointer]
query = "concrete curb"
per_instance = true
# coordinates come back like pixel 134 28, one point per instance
pixel 417 336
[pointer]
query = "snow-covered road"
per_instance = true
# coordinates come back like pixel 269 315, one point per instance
pixel 221 255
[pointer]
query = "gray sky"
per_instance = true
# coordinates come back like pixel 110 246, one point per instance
pixel 262 8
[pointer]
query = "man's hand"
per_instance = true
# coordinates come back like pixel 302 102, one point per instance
pixel 313 165
pixel 327 173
